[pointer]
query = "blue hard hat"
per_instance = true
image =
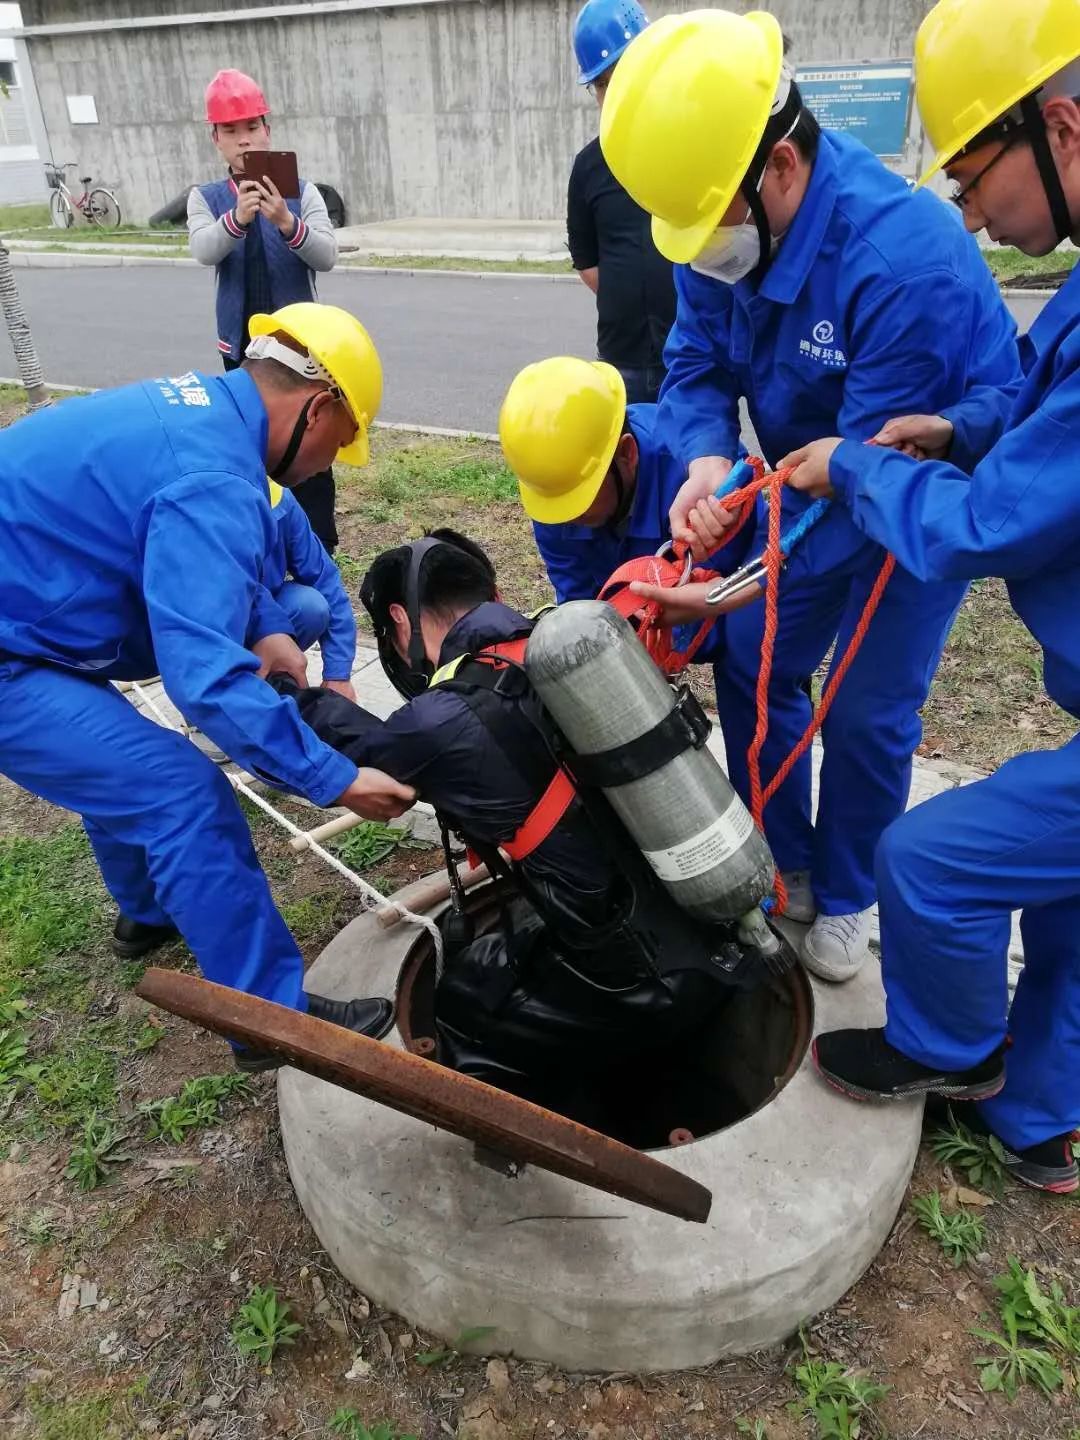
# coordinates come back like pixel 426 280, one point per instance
pixel 602 31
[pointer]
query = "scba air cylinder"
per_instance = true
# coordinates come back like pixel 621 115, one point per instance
pixel 604 692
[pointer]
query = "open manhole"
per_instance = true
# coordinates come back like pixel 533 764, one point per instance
pixel 734 1062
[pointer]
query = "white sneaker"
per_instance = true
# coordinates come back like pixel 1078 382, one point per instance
pixel 801 905
pixel 836 946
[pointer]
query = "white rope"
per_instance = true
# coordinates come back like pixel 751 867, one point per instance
pixel 368 891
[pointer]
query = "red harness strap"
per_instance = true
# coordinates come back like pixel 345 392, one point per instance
pixel 546 814
pixel 559 795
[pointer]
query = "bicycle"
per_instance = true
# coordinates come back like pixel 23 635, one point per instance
pixel 98 206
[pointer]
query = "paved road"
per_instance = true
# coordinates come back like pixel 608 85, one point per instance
pixel 450 345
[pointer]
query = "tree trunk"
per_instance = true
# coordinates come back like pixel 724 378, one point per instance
pixel 22 342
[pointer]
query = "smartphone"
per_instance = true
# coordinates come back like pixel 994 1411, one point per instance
pixel 278 165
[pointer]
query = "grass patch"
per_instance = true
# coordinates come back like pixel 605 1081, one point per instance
pixel 18 217
pixel 1007 263
pixel 96 1155
pixel 521 266
pixel 347 1422
pixel 839 1401
pixel 48 906
pixel 197 1107
pixel 446 1354
pixel 960 1234
pixel 76 1419
pixel 91 235
pixel 370 841
pixel 1040 1335
pixel 987 701
pixel 471 471
pixel 262 1326
pixel 981 1157
pixel 314 915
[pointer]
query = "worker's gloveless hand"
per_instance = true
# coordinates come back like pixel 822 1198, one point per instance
pixel 375 796
pixel 341 687
pixel 705 477
pixel 273 207
pixel 248 201
pixel 811 467
pixel 279 654
pixel 684 604
pixel 924 437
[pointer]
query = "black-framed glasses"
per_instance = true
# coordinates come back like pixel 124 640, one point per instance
pixel 959 197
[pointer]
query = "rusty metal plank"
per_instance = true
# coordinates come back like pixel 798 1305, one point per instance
pixel 430 1092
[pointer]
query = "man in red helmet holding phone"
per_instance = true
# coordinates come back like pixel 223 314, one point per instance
pixel 265 246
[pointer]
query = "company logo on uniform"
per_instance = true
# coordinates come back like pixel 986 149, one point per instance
pixel 822 347
pixel 184 390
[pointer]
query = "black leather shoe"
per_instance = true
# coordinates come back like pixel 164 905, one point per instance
pixel 131 938
pixel 372 1017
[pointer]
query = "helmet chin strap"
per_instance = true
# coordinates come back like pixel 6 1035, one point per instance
pixel 295 440
pixel 1035 126
pixel 781 126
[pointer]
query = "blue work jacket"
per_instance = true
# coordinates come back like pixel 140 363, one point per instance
pixel 134 528
pixel 580 559
pixel 298 553
pixel 1016 514
pixel 877 304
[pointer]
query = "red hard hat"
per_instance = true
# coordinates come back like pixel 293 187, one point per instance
pixel 231 96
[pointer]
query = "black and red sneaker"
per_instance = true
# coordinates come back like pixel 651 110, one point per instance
pixel 1050 1165
pixel 864 1066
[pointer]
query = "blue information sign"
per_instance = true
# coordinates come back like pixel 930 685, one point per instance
pixel 871 102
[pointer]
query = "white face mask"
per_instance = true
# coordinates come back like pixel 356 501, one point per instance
pixel 733 253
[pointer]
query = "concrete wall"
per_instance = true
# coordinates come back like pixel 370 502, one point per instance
pixel 459 109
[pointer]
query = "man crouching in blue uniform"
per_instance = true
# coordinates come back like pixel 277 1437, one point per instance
pixel 307 585
pixel 988 489
pixel 816 287
pixel 594 476
pixel 134 525
pixel 599 974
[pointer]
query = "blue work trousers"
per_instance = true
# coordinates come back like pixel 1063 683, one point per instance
pixel 168 834
pixel 871 732
pixel 307 609
pixel 949 874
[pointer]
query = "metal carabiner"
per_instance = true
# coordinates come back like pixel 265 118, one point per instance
pixel 668 548
pixel 745 578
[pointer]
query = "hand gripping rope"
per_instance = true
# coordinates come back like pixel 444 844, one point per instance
pixel 738 494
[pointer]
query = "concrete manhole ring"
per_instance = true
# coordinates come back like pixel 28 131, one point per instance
pixel 805 1191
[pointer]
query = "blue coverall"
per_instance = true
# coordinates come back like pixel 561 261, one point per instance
pixel 877 304
pixel 314 598
pixel 952 870
pixel 580 559
pixel 133 529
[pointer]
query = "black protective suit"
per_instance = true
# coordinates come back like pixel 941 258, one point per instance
pixel 601 974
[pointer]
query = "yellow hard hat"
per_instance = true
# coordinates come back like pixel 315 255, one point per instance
pixel 559 425
pixel 684 115
pixel 976 59
pixel 344 354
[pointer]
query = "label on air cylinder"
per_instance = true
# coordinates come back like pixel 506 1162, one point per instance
pixel 728 833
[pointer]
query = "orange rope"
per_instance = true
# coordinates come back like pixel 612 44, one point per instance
pixel 773 558
pixel 647 616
